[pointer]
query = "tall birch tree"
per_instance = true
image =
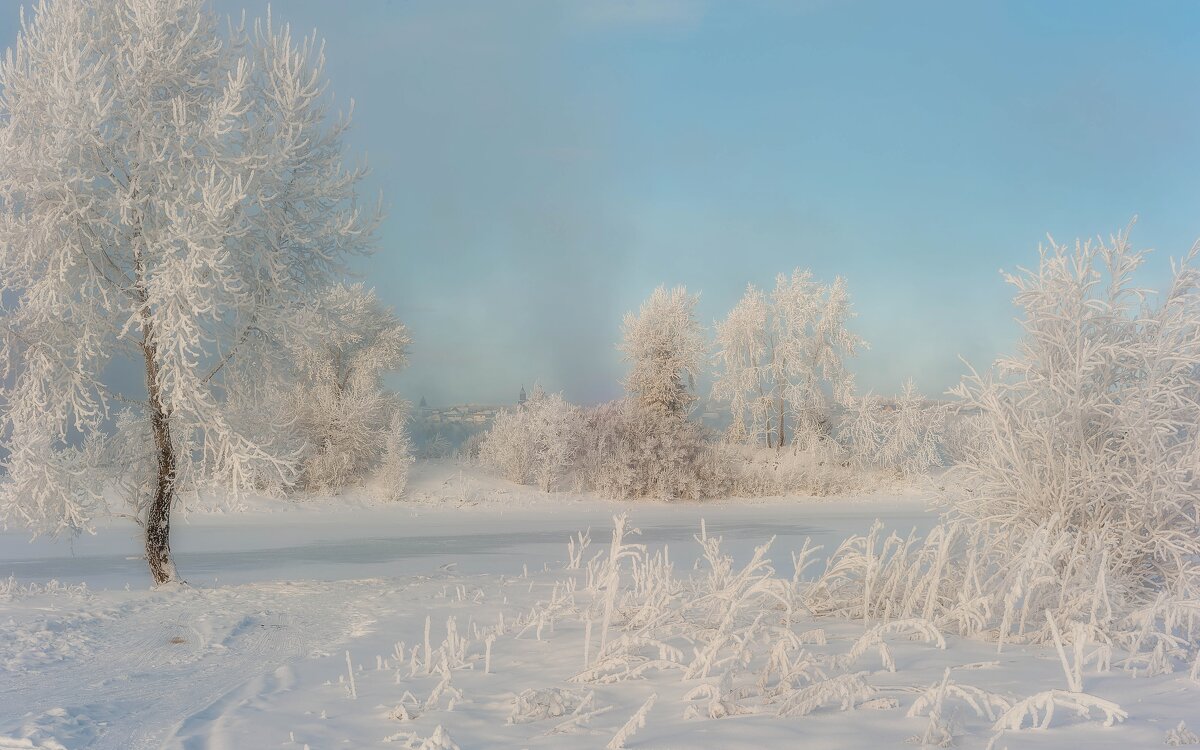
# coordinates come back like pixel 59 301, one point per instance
pixel 170 186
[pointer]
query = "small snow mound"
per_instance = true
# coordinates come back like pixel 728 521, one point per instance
pixel 45 731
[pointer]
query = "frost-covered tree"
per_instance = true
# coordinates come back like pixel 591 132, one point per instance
pixel 167 189
pixel 534 443
pixel 395 460
pixel 781 359
pixel 743 379
pixel 665 345
pixel 553 426
pixel 811 343
pixel 903 435
pixel 644 445
pixel 343 410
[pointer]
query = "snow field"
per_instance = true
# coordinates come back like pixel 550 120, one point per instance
pixel 620 644
pixel 372 627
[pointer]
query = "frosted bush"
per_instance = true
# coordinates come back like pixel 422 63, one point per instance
pixel 630 451
pixel 1092 430
pixel 507 447
pixel 534 444
pixel 963 433
pixel 549 703
pixel 1039 710
pixel 470 447
pixel 1180 736
pixel 820 470
pixel 392 475
pixel 436 447
pixel 1073 509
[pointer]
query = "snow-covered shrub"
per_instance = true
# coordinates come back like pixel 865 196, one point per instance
pixel 932 703
pixel 391 476
pixel 644 446
pixel 436 447
pixel 1039 710
pixel 470 447
pixel 1180 736
pixel 902 436
pixel 508 447
pixel 1092 431
pixel 1075 508
pixel 347 418
pixel 820 470
pixel 962 433
pixel 597 441
pixel 630 451
pixel 550 703
pixel 535 443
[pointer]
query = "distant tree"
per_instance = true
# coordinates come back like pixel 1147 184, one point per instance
pixel 744 381
pixel 781 359
pixel 436 447
pixel 166 191
pixel 344 412
pixel 665 345
pixel 395 460
pixel 903 436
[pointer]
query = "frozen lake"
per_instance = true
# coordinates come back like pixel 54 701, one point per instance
pixel 402 540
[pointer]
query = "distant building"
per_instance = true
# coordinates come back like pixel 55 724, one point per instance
pixel 464 414
pixel 522 398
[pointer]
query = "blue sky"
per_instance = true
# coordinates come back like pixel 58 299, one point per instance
pixel 547 164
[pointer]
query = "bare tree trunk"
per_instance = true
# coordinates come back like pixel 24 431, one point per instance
pixel 158 516
pixel 782 437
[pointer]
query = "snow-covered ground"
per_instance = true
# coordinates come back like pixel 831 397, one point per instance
pixel 332 624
